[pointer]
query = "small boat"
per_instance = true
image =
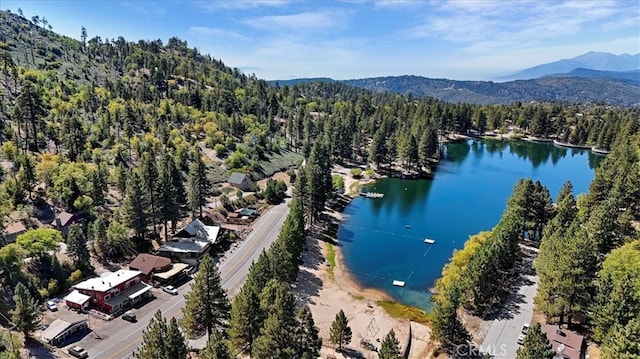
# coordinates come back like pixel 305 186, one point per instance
pixel 407 226
pixel 398 283
pixel 429 241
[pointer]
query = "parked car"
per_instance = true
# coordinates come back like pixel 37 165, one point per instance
pixel 51 305
pixel 525 328
pixel 78 352
pixel 521 339
pixel 130 316
pixel 170 289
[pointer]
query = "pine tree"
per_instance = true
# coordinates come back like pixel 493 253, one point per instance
pixel 245 322
pixel 168 203
pixel 216 348
pixel 390 347
pixel 161 340
pixel 97 233
pixel 149 177
pixel 446 326
pixel 77 247
pixel 536 345
pixel 25 314
pixel 566 265
pixel 206 306
pixel 100 185
pixel 197 183
pixel 134 206
pixel 340 332
pixel 276 338
pixel 308 341
pixel 283 265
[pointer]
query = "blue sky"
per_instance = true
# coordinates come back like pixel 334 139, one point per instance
pixel 281 39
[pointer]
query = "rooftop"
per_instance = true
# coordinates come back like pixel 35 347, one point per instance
pixel 15 227
pixel 147 263
pixel 565 342
pixel 198 230
pixel 65 218
pixel 107 280
pixel 237 178
pixel 184 246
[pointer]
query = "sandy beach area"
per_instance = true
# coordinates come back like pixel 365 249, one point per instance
pixel 327 290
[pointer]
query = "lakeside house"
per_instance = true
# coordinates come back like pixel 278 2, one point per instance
pixel 566 344
pixel 240 181
pixel 112 292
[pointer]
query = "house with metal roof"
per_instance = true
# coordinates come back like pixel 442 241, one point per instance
pixel 113 292
pixel 190 243
pixel 60 330
pixel 240 181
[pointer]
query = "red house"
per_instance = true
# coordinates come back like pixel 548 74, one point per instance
pixel 113 292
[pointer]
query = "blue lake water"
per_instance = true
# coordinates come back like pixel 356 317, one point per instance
pixel 467 194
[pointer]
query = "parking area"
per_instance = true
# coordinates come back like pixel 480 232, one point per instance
pixel 100 328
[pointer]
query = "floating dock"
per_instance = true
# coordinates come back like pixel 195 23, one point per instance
pixel 398 283
pixel 372 194
pixel 429 241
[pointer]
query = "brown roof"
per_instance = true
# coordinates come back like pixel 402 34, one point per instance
pixel 565 342
pixel 147 263
pixel 15 227
pixel 65 218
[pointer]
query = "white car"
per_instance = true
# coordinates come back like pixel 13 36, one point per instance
pixel 170 289
pixel 525 328
pixel 51 305
pixel 521 339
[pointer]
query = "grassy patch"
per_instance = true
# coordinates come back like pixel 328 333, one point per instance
pixel 357 296
pixel 217 173
pixel 398 310
pixel 331 258
pixel 279 162
pixel 228 189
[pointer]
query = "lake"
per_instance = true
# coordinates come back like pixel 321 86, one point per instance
pixel 383 239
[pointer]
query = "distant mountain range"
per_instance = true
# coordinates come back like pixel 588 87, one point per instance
pixel 592 77
pixel 601 61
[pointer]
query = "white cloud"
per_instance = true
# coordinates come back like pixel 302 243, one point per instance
pixel 221 5
pixel 500 26
pixel 297 22
pixel 214 32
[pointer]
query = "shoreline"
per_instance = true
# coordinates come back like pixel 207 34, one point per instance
pixel 328 289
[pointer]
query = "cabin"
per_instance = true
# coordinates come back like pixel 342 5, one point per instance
pixel 240 181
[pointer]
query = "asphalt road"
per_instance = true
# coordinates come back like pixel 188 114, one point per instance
pixel 118 339
pixel 501 339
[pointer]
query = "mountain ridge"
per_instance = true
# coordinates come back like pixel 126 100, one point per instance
pixel 550 88
pixel 592 60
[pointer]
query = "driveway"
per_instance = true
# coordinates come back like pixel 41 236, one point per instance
pixel 500 340
pixel 118 339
